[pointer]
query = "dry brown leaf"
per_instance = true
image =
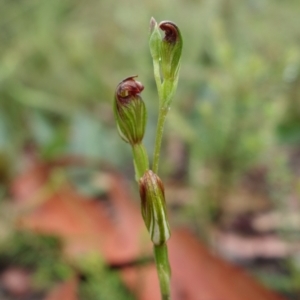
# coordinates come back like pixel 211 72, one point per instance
pixel 64 291
pixel 119 235
pixel 197 274
pixel 87 225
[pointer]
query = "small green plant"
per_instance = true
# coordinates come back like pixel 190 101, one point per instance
pixel 131 117
pixel 98 282
pixel 39 253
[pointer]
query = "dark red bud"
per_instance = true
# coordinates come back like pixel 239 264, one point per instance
pixel 130 111
pixel 171 31
pixel 128 88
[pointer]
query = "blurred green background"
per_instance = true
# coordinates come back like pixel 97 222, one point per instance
pixel 237 102
pixel 236 108
pixel 61 61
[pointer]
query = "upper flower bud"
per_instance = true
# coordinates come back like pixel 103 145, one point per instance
pixel 171 49
pixel 154 207
pixel 166 54
pixel 130 111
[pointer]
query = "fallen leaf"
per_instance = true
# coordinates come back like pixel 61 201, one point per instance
pixel 25 186
pixel 200 275
pixel 197 274
pixel 142 281
pixel 115 229
pixel 86 225
pixel 64 291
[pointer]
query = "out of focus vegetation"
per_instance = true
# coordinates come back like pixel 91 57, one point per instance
pixel 42 255
pixel 237 106
pixel 61 60
pixel 36 253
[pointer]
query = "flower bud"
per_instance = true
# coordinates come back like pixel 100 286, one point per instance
pixel 154 207
pixel 171 49
pixel 130 111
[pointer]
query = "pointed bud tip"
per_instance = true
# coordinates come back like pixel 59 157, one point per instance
pixel 153 24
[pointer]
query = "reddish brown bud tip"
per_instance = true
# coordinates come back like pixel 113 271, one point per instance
pixel 170 54
pixel 130 111
pixel 128 88
pixel 171 31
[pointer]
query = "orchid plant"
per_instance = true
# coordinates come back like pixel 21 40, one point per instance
pixel 131 118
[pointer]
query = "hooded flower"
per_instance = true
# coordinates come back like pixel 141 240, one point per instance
pixel 171 49
pixel 130 111
pixel 166 54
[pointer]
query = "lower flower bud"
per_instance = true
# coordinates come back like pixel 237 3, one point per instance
pixel 154 207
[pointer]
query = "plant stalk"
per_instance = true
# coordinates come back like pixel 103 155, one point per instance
pixel 161 251
pixel 140 159
pixel 156 71
pixel 158 138
pixel 163 270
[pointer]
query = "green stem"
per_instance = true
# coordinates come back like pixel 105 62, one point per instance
pixel 156 71
pixel 158 138
pixel 163 270
pixel 140 159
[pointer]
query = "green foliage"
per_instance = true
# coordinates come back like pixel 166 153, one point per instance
pixel 99 282
pixel 39 253
pixel 284 279
pixel 43 255
pixel 58 60
pixel 61 61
